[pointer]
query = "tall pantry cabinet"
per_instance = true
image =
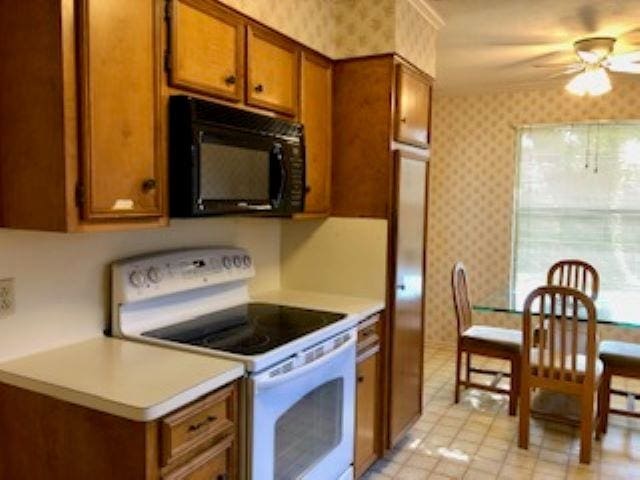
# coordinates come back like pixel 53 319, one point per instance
pixel 381 126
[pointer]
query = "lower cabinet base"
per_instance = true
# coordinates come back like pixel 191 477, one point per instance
pixel 49 439
pixel 368 397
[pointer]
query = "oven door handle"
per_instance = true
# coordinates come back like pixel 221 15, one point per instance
pixel 297 372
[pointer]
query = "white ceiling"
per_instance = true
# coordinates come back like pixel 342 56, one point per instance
pixel 491 44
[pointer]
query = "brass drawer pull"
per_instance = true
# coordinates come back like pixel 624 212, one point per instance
pixel 230 80
pixel 259 88
pixel 206 421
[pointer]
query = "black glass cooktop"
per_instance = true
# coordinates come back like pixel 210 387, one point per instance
pixel 248 329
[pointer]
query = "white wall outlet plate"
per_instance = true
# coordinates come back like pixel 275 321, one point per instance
pixel 7 297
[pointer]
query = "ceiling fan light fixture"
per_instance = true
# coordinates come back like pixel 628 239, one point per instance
pixel 593 82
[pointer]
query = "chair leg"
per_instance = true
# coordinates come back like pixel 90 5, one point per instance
pixel 514 387
pixel 467 376
pixel 606 400
pixel 525 413
pixel 456 397
pixel 586 427
pixel 600 411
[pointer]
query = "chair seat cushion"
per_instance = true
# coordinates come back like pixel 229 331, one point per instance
pixel 493 337
pixel 620 354
pixel 581 365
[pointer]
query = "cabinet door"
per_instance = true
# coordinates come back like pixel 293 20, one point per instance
pixel 272 80
pixel 207 49
pixel 367 401
pixel 315 109
pixel 122 162
pixel 407 293
pixel 413 104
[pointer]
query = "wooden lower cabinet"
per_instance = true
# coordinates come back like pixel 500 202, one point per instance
pixel 46 438
pixel 367 405
pixel 368 396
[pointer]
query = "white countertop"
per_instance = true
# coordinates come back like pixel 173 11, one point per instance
pixel 129 379
pixel 362 307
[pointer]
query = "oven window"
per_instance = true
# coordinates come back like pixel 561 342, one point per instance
pixel 229 172
pixel 309 430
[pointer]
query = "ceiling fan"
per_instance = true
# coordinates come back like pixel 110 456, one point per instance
pixel 595 61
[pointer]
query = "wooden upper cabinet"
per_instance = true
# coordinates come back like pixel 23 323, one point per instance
pixel 272 78
pixel 315 113
pixel 207 49
pixel 119 107
pixel 413 98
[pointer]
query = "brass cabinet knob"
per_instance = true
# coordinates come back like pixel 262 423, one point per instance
pixel 259 88
pixel 149 184
pixel 230 80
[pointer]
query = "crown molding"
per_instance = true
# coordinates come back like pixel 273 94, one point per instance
pixel 618 81
pixel 428 13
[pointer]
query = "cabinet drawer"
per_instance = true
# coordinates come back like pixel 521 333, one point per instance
pixel 413 98
pixel 207 49
pixel 216 463
pixel 197 424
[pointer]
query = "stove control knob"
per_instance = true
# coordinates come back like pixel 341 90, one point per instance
pixel 154 275
pixel 247 261
pixel 136 278
pixel 226 262
pixel 237 261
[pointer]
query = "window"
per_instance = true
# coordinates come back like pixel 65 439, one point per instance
pixel 578 196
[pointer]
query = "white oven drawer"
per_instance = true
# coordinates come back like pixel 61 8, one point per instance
pixel 302 417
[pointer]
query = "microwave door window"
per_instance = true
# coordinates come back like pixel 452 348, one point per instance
pixel 234 173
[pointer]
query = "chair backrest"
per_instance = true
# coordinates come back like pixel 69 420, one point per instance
pixel 575 274
pixel 554 362
pixel 461 302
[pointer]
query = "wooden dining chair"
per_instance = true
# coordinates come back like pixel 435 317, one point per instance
pixel 483 340
pixel 576 274
pixel 556 364
pixel 620 359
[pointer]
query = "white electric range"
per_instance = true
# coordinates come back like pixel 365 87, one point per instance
pixel 300 395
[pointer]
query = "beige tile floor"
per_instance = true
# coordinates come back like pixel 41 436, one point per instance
pixel 477 439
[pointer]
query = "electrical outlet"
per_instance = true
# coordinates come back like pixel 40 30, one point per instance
pixel 7 297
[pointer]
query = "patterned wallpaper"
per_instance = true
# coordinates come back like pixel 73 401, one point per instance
pixel 308 21
pixel 415 37
pixel 348 28
pixel 471 191
pixel 363 27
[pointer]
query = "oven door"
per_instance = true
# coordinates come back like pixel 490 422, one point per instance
pixel 302 424
pixel 239 171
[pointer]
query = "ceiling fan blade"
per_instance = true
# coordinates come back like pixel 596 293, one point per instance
pixel 534 59
pixel 627 57
pixel 567 71
pixel 625 68
pixel 566 65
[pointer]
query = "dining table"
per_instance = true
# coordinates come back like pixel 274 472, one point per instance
pixel 621 309
pixel 617 309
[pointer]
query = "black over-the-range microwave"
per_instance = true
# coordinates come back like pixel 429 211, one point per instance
pixel 228 160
